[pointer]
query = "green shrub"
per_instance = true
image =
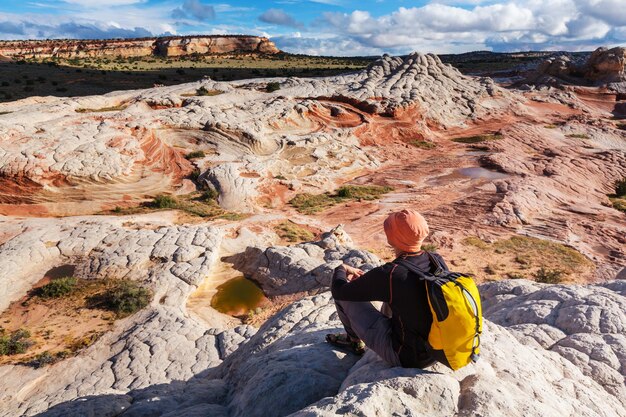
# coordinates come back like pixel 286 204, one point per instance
pixel 43 359
pixel 313 203
pixel 422 144
pixel 164 202
pixel 123 298
pixel 478 138
pixel 195 154
pixel 15 343
pixel 209 195
pixel 203 91
pixel 364 192
pixel 578 136
pixel 620 188
pixel 57 288
pixel 273 86
pixel 429 247
pixel 548 276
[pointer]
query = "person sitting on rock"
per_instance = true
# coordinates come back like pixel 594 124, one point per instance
pixel 398 333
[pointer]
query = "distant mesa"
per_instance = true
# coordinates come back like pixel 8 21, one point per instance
pixel 162 46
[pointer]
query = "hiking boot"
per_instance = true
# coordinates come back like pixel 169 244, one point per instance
pixel 345 342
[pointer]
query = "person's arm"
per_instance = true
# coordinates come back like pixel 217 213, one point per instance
pixel 374 285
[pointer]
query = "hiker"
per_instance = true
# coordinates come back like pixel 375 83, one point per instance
pixel 399 337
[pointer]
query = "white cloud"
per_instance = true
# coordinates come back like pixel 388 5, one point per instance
pixel 444 26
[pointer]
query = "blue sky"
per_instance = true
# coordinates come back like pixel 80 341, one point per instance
pixel 335 27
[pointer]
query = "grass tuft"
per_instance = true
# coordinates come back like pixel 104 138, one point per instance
pixel 423 144
pixel 479 138
pixel 578 136
pixel 293 232
pixel 102 110
pixel 314 203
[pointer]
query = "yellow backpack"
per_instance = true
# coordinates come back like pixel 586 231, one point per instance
pixel 454 337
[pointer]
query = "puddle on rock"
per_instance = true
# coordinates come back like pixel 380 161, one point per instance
pixel 237 297
pixel 465 173
pixel 479 172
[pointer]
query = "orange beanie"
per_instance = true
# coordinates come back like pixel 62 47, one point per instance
pixel 406 230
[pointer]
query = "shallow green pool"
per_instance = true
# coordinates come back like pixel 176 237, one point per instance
pixel 237 296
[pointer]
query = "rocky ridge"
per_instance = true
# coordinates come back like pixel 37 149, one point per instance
pixel 162 46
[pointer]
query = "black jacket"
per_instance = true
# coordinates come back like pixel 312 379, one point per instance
pixel 406 295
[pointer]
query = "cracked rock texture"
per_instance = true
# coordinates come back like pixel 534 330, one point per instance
pixel 302 267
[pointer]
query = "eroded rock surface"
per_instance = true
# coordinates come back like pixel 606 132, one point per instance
pixel 603 66
pixel 302 267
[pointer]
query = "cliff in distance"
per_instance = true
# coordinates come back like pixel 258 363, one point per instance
pixel 164 46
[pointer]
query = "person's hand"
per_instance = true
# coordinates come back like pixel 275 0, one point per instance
pixel 352 273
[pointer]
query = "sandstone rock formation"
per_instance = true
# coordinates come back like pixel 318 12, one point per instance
pixel 607 65
pixel 603 66
pixel 104 148
pixel 546 161
pixel 163 46
pixel 302 267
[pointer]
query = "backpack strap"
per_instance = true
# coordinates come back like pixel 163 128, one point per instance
pixel 440 269
pixel 412 268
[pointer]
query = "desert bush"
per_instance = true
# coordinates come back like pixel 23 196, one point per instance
pixel 14 343
pixel 43 359
pixel 548 276
pixel 125 298
pixel 620 188
pixel 273 86
pixel 164 202
pixel 203 91
pixel 429 247
pixel 195 154
pixel 209 195
pixel 478 138
pixel 57 288
pixel 578 136
pixel 422 144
